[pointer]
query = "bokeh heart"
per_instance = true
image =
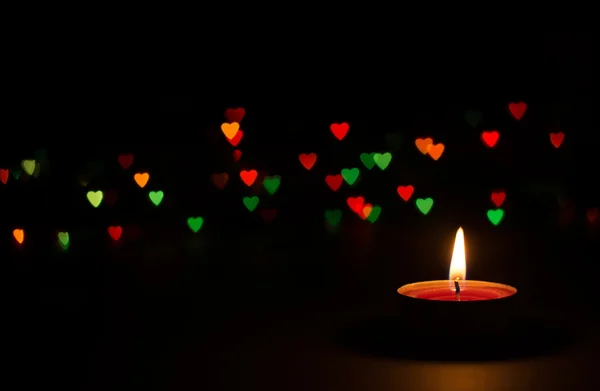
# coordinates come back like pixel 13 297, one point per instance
pixel 356 203
pixel 340 130
pixel 249 176
pixel 3 175
pixel 517 110
pixel 382 160
pixel 436 150
pixel 230 130
pixel 368 159
pixel 19 235
pixel 63 240
pixel 424 205
pixel 235 115
pixel 141 178
pixel 350 175
pixel 490 138
pixel 195 223
pixel 235 141
pixel 95 197
pixel 334 181
pixel 125 160
pixel 423 144
pixel 156 197
pixel 308 160
pixel 272 183
pixel 557 139
pixel 498 198
pixel 220 180
pixel 115 232
pixel 495 216
pixel 405 192
pixel 251 203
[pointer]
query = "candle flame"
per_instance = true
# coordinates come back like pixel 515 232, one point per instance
pixel 458 265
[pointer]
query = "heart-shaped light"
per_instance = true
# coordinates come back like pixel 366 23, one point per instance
pixel 498 198
pixel 405 192
pixel 235 115
pixel 220 180
pixel 63 240
pixel 156 197
pixel 248 176
pixel 4 175
pixel 333 217
pixel 28 166
pixel 237 155
pixel 340 130
pixel 19 235
pixel 490 138
pixel 375 213
pixel 557 139
pixel 423 144
pixel 115 232
pixel 271 183
pixel 125 160
pixel 334 181
pixel 368 159
pixel 235 141
pixel 141 178
pixel 517 110
pixel 230 130
pixel 424 205
pixel 495 216
pixel 195 223
pixel 95 197
pixel 308 160
pixel 382 160
pixel 350 175
pixel 251 203
pixel 435 150
pixel 356 204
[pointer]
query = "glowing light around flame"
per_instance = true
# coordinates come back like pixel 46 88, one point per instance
pixel 458 265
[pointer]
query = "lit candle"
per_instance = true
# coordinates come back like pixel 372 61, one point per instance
pixel 457 287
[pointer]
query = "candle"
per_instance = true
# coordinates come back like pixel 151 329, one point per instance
pixel 457 287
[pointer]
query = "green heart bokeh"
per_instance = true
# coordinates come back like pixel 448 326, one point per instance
pixel 350 175
pixel 63 240
pixel 424 205
pixel 271 183
pixel 382 160
pixel 156 197
pixel 251 203
pixel 473 117
pixel 368 160
pixel 495 216
pixel 195 223
pixel 333 217
pixel 375 213
pixel 95 197
pixel 28 166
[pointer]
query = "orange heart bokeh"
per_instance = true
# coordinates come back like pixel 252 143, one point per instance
pixel 249 177
pixel 19 235
pixel 435 151
pixel 423 144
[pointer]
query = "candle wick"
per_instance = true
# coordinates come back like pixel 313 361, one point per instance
pixel 457 288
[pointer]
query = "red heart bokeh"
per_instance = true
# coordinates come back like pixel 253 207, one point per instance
pixel 490 137
pixel 237 138
pixel 237 155
pixel 498 198
pixel 405 192
pixel 356 204
pixel 235 115
pixel 308 160
pixel 340 130
pixel 4 175
pixel 592 215
pixel 268 215
pixel 115 232
pixel 557 139
pixel 334 181
pixel 220 180
pixel 517 110
pixel 126 160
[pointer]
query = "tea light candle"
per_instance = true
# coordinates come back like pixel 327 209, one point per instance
pixel 457 287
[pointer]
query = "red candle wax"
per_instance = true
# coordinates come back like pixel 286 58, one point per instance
pixel 470 290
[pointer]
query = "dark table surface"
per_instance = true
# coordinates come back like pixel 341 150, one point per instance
pixel 263 312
